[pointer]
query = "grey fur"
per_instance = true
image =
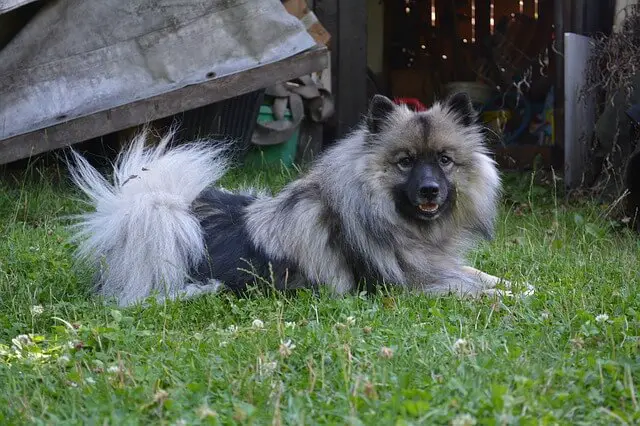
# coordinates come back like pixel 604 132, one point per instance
pixel 334 225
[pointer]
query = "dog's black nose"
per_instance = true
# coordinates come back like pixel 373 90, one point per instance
pixel 429 191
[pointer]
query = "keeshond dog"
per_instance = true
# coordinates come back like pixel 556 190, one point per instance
pixel 399 201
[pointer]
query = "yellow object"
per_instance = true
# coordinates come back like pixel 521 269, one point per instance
pixel 496 120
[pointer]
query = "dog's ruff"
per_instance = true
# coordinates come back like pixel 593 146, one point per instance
pixel 162 229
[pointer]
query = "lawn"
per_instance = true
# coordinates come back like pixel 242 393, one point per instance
pixel 566 355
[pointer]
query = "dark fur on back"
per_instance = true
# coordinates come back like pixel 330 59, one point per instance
pixel 231 256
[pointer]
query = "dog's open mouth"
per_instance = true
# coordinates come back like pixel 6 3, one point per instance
pixel 429 208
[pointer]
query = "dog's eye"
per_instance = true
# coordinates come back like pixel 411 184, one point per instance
pixel 445 160
pixel 405 163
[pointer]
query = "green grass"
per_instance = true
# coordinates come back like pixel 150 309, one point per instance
pixel 392 358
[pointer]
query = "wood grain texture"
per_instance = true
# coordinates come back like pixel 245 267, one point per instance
pixel 83 128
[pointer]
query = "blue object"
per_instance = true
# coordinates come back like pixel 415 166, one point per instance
pixel 512 102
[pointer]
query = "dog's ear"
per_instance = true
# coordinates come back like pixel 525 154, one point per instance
pixel 460 103
pixel 380 108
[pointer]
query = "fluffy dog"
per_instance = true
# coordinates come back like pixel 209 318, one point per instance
pixel 398 201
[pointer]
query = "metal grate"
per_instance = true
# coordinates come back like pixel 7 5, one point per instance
pixel 232 120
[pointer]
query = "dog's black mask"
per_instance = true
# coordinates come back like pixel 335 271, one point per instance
pixel 426 194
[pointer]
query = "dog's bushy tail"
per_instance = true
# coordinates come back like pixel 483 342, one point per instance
pixel 141 233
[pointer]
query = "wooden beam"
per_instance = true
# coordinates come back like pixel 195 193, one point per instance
pixel 104 122
pixel 352 59
pixel 327 13
pixel 346 21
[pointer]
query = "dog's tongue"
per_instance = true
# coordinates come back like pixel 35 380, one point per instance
pixel 428 207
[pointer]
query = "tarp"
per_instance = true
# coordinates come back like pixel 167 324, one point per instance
pixel 9 5
pixel 78 57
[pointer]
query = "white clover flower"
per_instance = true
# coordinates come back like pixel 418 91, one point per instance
pixel 463 420
pixel 602 318
pixel 290 324
pixel 21 341
pixel 232 328
pixel 37 310
pixel 204 412
pixel 386 352
pixel 63 360
pixel 160 396
pixel 460 345
pixel 114 369
pixel 38 355
pixel 90 381
pixel 24 339
pixel 351 320
pixel 286 348
pixel 257 323
pixel 544 316
pixel 267 368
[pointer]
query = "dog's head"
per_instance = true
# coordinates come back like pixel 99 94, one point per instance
pixel 432 164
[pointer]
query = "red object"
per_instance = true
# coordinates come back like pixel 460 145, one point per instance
pixel 412 103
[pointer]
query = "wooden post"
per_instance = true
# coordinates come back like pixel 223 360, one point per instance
pixel 346 21
pixel 352 57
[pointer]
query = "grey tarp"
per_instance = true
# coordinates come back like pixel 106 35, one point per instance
pixel 9 5
pixel 78 57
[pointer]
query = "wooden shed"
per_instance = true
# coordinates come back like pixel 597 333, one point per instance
pixel 74 70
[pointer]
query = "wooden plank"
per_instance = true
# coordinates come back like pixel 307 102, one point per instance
pixel 194 96
pixel 352 57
